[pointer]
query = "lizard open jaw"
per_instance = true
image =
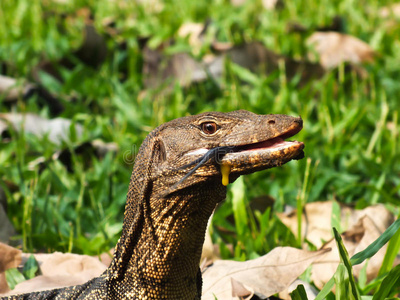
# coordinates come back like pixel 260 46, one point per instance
pixel 265 154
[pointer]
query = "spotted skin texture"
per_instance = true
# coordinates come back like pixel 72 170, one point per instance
pixel 158 254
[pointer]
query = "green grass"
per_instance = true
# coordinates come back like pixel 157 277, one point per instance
pixel 351 124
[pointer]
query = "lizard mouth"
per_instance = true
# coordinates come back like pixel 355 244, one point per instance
pixel 265 154
pixel 273 143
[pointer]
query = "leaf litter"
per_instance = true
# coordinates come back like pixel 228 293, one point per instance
pixel 334 48
pixel 359 229
pixel 57 269
pixel 56 130
pixel 266 275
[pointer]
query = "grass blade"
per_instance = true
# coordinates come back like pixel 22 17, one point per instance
pixel 376 245
pixel 13 277
pixel 31 267
pixel 391 252
pixel 387 284
pixel 299 293
pixel 342 282
pixel 239 205
pixel 344 257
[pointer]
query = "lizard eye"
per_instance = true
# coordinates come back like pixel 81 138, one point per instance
pixel 209 127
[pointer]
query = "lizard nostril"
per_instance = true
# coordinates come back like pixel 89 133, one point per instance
pixel 271 122
pixel 300 122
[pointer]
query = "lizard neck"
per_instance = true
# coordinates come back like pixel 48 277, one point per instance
pixel 159 251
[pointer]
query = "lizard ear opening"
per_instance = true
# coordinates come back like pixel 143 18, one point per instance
pixel 161 154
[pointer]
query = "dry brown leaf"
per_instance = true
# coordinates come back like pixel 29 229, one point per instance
pixel 106 257
pixel 150 6
pixel 265 275
pixel 241 291
pixel 193 32
pixel 356 239
pixel 159 69
pixel 267 4
pixel 391 10
pixel 317 227
pixel 60 270
pixel 86 150
pixel 209 253
pixel 363 227
pixel 238 2
pixel 218 46
pixel 334 48
pixel 57 129
pixel 9 258
pixel 11 89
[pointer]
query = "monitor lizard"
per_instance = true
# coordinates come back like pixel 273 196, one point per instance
pixel 179 176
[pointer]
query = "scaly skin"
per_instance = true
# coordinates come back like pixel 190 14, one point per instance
pixel 166 214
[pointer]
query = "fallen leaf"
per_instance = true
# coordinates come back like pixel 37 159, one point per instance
pixel 96 148
pixel 271 4
pixel 9 258
pixel 315 227
pixel 106 257
pixel 361 228
pixel 151 6
pixel 240 291
pixel 57 130
pixel 60 270
pixel 193 31
pixel 160 69
pixel 12 89
pixel 267 4
pixel 316 224
pixel 389 11
pixel 334 48
pixel 265 275
pixel 356 239
pixel 208 254
pixel 238 2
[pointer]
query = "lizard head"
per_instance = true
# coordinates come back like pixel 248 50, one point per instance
pixel 211 144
